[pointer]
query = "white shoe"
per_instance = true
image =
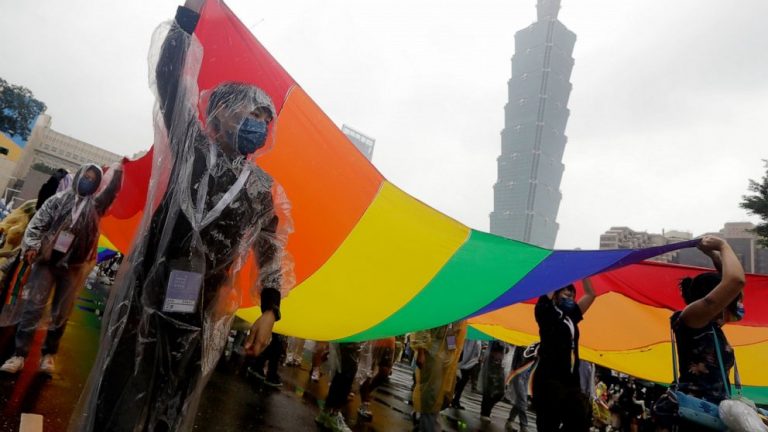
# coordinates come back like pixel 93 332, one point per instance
pixel 364 411
pixel 315 374
pixel 337 424
pixel 47 365
pixel 13 364
pixel 485 419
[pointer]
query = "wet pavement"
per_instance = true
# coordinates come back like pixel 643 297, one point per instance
pixel 232 401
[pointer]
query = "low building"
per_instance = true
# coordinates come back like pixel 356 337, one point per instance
pixel 48 149
pixel 739 235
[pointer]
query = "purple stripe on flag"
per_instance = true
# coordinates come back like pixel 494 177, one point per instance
pixel 564 267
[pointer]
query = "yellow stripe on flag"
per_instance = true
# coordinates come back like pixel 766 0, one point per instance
pixel 392 253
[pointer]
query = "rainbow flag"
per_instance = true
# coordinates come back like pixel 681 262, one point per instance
pixel 372 261
pixel 105 249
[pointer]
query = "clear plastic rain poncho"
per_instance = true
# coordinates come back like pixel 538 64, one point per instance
pixel 79 216
pixel 64 232
pixel 210 210
pixel 493 373
pixel 436 378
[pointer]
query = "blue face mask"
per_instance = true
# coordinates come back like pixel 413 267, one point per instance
pixel 86 186
pixel 567 305
pixel 251 135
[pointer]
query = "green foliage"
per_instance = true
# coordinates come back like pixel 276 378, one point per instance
pixel 18 109
pixel 39 166
pixel 757 204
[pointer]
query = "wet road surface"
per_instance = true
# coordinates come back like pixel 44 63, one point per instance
pixel 232 401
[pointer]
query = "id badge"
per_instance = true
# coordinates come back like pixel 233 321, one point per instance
pixel 63 241
pixel 182 291
pixel 451 342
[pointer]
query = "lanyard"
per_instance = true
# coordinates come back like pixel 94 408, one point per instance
pixel 76 210
pixel 201 220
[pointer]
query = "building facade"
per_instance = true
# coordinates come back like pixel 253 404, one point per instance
pixel 744 243
pixel 54 150
pixel 363 142
pixel 627 238
pixel 527 191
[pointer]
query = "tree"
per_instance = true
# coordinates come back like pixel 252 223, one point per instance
pixel 757 204
pixel 43 168
pixel 18 109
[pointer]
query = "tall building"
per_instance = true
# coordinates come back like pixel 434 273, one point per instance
pixel 527 192
pixel 363 142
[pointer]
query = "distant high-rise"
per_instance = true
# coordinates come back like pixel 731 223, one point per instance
pixel 527 192
pixel 753 257
pixel 363 142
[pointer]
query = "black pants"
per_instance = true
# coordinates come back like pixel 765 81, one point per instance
pixel 489 401
pixel 158 361
pixel 370 384
pixel 271 357
pixel 342 381
pixel 466 375
pixel 557 404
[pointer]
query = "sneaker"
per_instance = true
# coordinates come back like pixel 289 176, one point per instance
pixel 315 374
pixel 337 423
pixel 47 365
pixel 485 419
pixel 364 412
pixel 273 382
pixel 288 360
pixel 13 364
pixel 258 374
pixel 509 426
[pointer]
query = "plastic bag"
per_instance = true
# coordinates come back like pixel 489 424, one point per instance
pixel 739 416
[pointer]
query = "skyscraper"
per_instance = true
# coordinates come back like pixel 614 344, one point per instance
pixel 527 192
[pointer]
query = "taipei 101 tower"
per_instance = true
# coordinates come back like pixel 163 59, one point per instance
pixel 527 192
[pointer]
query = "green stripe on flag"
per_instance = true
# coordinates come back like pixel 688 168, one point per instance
pixel 469 280
pixel 475 334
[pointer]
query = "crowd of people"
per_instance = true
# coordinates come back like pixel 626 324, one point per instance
pixel 493 370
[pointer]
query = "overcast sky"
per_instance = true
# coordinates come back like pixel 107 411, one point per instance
pixel 668 109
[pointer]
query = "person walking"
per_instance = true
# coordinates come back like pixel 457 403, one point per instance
pixel 60 244
pixel 468 361
pixel 557 396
